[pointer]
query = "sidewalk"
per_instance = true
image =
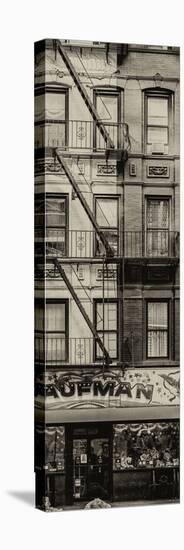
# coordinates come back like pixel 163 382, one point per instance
pixel 124 504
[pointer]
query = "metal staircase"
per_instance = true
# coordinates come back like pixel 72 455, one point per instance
pixel 59 156
pixel 82 310
pixel 84 203
pixel 85 96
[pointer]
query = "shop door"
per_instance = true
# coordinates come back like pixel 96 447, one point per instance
pixel 80 468
pixel 91 468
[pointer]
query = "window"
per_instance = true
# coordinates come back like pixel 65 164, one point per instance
pixel 108 108
pixel 157 329
pixel 51 219
pixel 51 331
pixel 56 225
pixel 52 440
pixel 157 129
pixel 107 327
pixel 157 227
pixel 107 217
pixel 147 445
pixel 51 112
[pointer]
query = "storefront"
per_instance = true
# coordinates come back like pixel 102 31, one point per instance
pixel 112 461
pixel 113 437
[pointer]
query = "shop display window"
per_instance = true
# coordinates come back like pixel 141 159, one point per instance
pixel 54 439
pixel 148 445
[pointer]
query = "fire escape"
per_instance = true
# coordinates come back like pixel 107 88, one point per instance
pixel 110 151
pixel 158 247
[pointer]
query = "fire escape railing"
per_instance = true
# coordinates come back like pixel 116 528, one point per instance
pixel 83 311
pixel 100 129
pixel 78 134
pixel 80 244
pixel 59 350
pixel 85 95
pixel 84 203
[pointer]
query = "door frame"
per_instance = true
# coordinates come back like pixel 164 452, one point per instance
pixel 103 430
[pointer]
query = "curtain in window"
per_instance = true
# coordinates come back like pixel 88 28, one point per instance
pixel 157 111
pixel 51 344
pixel 55 106
pixel 55 317
pixel 54 135
pixel 50 107
pixel 157 227
pixel 157 124
pixel 157 329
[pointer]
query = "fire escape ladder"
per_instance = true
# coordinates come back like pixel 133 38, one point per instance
pixel 84 203
pixel 83 311
pixel 85 96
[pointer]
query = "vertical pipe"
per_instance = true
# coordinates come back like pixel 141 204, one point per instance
pixel 122 309
pixel 103 309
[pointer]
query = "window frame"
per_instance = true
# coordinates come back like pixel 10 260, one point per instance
pixel 148 198
pixel 160 357
pixel 100 92
pixel 115 331
pixel 155 428
pixel 44 332
pixel 44 227
pixel 65 228
pixel 103 228
pixel 54 88
pixel 162 94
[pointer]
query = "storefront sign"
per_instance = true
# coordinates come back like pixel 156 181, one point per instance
pixel 91 390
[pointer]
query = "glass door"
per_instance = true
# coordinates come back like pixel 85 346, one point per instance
pixel 91 468
pixel 80 467
pixel 99 468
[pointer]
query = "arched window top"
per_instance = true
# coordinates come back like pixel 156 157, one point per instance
pixel 158 90
pixel 51 87
pixel 107 88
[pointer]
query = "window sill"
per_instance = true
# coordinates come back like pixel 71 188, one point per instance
pixel 160 362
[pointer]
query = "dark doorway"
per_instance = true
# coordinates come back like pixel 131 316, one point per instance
pixel 91 463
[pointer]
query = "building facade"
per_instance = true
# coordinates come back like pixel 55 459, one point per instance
pixel 106 273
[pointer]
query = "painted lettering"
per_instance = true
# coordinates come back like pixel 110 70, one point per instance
pixel 147 391
pixel 125 389
pixel 83 387
pixel 103 389
pixel 67 390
